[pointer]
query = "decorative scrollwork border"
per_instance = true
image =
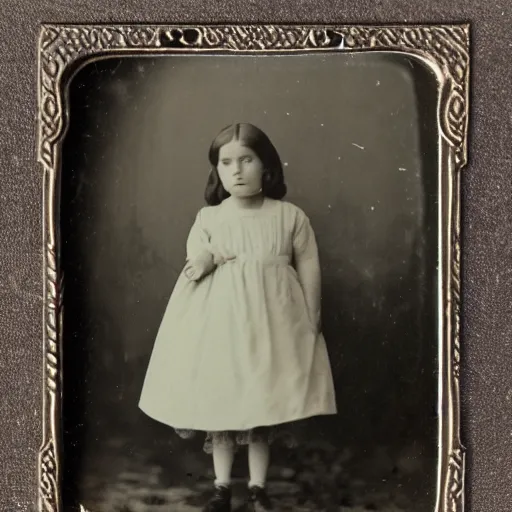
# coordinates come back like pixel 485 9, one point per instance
pixel 445 48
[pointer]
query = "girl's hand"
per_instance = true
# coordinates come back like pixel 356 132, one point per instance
pixel 319 323
pixel 316 320
pixel 220 259
pixel 199 267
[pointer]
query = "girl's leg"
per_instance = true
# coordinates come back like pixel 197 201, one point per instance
pixel 259 456
pixel 223 455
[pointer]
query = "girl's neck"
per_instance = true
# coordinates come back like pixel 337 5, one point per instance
pixel 249 203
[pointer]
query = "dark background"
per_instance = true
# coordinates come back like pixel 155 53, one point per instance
pixel 357 137
pixel 487 211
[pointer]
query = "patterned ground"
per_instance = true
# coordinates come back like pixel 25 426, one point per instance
pixel 317 478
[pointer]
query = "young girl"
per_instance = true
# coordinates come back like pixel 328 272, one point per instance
pixel 240 352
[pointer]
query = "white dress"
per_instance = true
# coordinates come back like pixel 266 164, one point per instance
pixel 237 350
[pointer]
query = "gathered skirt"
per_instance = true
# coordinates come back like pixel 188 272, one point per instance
pixel 237 354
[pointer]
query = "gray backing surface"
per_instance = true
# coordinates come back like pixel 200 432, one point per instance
pixel 487 215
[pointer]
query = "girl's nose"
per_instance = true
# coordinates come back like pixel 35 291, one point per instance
pixel 237 168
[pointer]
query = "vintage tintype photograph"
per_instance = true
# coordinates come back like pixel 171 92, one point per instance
pixel 252 257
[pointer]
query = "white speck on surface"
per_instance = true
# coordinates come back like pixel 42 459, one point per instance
pixel 402 169
pixel 357 145
pixel 378 83
pixel 339 158
pixel 329 206
pixel 287 113
pixel 321 124
pixel 372 208
pixel 285 164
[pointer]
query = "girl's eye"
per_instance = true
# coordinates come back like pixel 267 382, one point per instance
pixel 225 162
pixel 248 159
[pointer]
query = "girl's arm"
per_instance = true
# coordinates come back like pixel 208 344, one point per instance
pixel 308 271
pixel 199 261
pixel 307 264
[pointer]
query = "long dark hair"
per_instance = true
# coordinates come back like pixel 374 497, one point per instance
pixel 273 184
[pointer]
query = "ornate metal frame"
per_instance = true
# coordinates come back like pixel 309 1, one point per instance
pixel 445 49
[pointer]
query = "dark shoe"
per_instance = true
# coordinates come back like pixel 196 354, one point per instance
pixel 258 500
pixel 220 501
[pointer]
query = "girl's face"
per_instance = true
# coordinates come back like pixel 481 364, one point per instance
pixel 240 169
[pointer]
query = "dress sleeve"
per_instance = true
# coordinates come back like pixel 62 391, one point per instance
pixel 198 240
pixel 304 240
